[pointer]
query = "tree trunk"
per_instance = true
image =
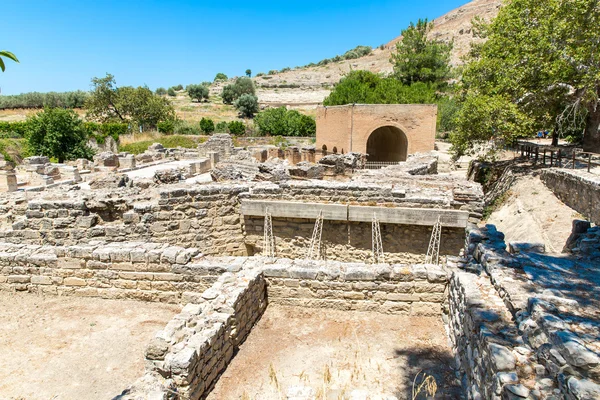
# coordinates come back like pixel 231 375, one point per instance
pixel 591 136
pixel 555 134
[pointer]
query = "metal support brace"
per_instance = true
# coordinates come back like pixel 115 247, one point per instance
pixel 376 241
pixel 269 241
pixel 314 250
pixel 433 252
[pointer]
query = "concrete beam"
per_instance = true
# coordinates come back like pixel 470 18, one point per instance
pixel 409 216
pixel 287 209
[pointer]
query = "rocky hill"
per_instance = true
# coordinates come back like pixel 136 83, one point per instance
pixel 307 87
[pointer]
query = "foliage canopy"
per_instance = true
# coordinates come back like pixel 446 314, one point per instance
pixel 540 60
pixel 59 133
pixel 419 59
pixel 139 106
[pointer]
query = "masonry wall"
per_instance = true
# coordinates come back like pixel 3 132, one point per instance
pixel 138 271
pixel 209 218
pixel 384 288
pixel 578 189
pixel 351 241
pixel 348 127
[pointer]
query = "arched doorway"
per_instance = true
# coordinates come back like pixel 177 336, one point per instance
pixel 387 143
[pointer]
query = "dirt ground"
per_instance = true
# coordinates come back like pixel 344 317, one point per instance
pixel 300 353
pixel 532 213
pixel 73 348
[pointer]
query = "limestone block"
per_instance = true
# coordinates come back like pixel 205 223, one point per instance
pixel 72 281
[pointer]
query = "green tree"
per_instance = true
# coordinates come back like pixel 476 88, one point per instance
pixel 487 123
pixel 58 133
pixel 9 55
pixel 220 77
pixel 161 91
pixel 198 92
pixel 542 58
pixel 140 106
pixel 248 73
pixel 236 128
pixel 418 59
pixel 242 85
pixel 207 125
pixel 171 92
pixel 281 122
pixel 365 87
pixel 247 105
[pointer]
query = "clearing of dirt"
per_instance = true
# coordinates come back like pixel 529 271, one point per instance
pixel 532 213
pixel 74 348
pixel 300 353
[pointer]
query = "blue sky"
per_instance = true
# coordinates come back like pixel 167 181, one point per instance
pixel 63 44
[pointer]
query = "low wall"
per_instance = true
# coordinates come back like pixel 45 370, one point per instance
pixel 139 271
pixel 384 288
pixel 578 189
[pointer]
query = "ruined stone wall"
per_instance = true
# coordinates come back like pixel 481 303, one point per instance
pixel 578 189
pixel 384 288
pixel 209 218
pixel 140 271
pixel 186 358
pixel 351 241
pixel 524 324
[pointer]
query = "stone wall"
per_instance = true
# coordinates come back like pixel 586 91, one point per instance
pixel 351 241
pixel 186 358
pixel 194 349
pixel 384 288
pixel 578 189
pixel 139 271
pixel 209 217
pixel 534 316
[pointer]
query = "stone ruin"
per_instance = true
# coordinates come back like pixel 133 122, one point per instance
pixel 519 326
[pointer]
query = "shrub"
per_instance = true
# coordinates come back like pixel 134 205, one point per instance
pixel 236 128
pixel 286 69
pixel 161 91
pixel 58 133
pixel 178 87
pixel 13 129
pixel 247 105
pixel 101 131
pixel 221 127
pixel 273 72
pixel 198 92
pixel 281 122
pixel 241 86
pixel 220 77
pixel 166 127
pixel 171 92
pixel 260 74
pixel 187 128
pixel 207 125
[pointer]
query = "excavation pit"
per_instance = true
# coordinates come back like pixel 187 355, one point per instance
pixel 73 347
pixel 332 354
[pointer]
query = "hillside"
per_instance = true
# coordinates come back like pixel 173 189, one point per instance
pixel 309 86
pixel 304 88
